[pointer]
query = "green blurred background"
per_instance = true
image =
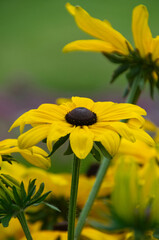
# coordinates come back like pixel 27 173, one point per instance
pixel 33 68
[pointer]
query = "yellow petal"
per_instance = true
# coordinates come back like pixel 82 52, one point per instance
pixel 141 31
pixel 48 234
pixel 70 8
pixel 58 130
pixel 81 140
pixel 90 45
pixel 143 136
pixel 109 139
pixel 83 102
pixel 0 161
pixel 37 157
pixel 33 136
pixel 155 49
pixel 99 29
pixel 8 143
pixel 123 111
pixel 93 234
pixel 22 120
pixel 123 130
pixel 52 109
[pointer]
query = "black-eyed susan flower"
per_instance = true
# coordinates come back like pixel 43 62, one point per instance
pixel 84 122
pixel 50 235
pixel 140 62
pixel 33 155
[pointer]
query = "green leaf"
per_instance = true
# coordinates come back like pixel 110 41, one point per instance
pixel 5 221
pixel 39 200
pixel 9 181
pixel 22 191
pixel 69 150
pixel 51 206
pixel 31 188
pixel 96 154
pixel 103 150
pixel 18 200
pixel 5 205
pixel 39 192
pixel 58 144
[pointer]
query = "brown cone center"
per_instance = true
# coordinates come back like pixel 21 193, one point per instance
pixel 81 116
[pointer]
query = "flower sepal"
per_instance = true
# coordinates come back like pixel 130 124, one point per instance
pixel 96 154
pixel 58 144
pixel 103 150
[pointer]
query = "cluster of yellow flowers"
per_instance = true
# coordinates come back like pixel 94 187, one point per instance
pixel 126 205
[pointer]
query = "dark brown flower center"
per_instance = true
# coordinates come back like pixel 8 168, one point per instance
pixel 62 227
pixel 81 116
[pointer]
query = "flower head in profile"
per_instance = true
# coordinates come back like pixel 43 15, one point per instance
pixel 141 61
pixel 84 122
pixel 34 155
pixel 135 196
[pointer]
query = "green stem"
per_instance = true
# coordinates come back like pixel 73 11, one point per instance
pixel 73 198
pixel 24 225
pixel 134 92
pixel 100 176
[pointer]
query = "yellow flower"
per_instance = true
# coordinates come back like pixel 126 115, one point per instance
pixel 33 155
pixel 111 40
pixel 134 149
pixel 85 122
pixel 135 196
pixel 141 61
pixel 49 235
pixel 14 230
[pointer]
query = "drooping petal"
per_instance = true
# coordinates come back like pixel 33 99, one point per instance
pixel 98 29
pixel 81 140
pixel 58 130
pixel 141 31
pixel 143 136
pixel 123 130
pixel 37 157
pixel 109 139
pixel 33 136
pixel 90 45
